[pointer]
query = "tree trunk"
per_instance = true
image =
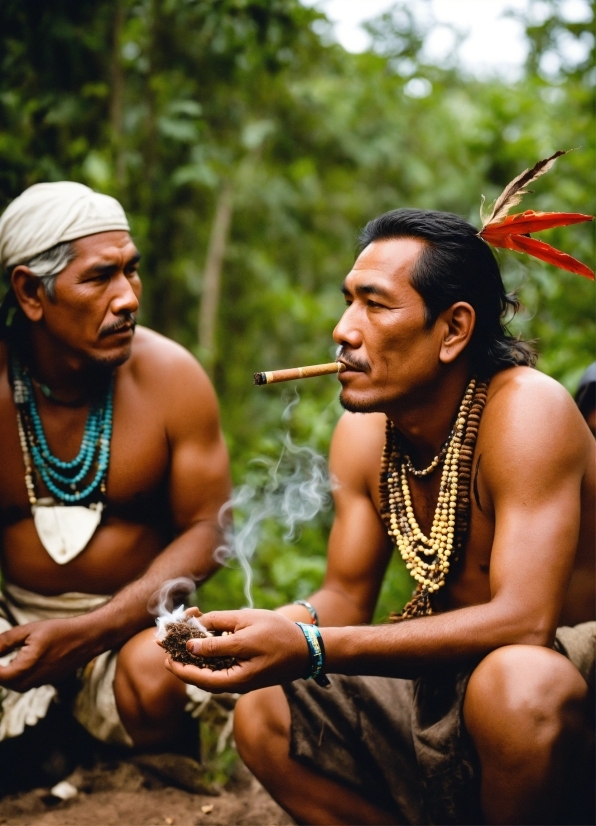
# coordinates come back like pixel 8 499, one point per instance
pixel 116 102
pixel 212 275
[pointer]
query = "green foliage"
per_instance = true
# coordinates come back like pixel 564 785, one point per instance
pixel 163 102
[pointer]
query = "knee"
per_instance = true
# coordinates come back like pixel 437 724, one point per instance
pixel 523 693
pixel 262 726
pixel 142 680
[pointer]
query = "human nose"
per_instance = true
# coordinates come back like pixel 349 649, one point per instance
pixel 346 330
pixel 126 298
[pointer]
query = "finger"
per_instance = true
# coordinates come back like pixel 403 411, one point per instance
pixel 225 646
pixel 193 611
pixel 222 620
pixel 12 638
pixel 9 672
pixel 15 669
pixel 216 682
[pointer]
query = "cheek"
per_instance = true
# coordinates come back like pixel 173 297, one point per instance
pixel 404 343
pixel 395 335
pixel 77 311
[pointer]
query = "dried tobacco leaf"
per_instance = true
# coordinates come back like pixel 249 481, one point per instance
pixel 178 634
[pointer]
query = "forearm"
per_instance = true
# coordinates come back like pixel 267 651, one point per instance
pixel 189 555
pixel 407 649
pixel 333 607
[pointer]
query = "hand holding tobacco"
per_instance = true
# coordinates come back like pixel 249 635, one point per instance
pixel 178 633
pixel 265 647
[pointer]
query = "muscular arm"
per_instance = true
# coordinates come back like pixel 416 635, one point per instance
pixel 359 549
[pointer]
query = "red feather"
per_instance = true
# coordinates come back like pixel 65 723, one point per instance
pixel 531 246
pixel 513 232
pixel 530 221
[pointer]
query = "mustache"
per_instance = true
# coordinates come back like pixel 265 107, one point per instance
pixel 351 361
pixel 126 320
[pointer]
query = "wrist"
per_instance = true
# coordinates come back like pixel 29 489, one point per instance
pixel 316 651
pixel 87 636
pixel 101 631
pixel 341 655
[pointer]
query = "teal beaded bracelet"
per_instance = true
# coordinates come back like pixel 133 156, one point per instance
pixel 316 650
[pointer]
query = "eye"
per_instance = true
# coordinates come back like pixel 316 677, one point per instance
pixel 375 305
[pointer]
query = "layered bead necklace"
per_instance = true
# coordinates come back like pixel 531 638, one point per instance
pixel 428 558
pixel 66 481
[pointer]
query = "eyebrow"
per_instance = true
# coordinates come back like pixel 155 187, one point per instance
pixel 367 289
pixel 105 269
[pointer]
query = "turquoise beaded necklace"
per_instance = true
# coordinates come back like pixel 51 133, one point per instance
pixel 63 479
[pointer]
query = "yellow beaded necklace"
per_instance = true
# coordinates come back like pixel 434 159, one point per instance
pixel 429 558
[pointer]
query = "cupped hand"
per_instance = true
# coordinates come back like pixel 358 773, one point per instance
pixel 46 651
pixel 270 650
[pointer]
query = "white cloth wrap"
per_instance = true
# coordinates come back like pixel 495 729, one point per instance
pixel 95 705
pixel 48 214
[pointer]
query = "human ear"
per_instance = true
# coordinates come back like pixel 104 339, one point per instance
pixel 28 289
pixel 458 325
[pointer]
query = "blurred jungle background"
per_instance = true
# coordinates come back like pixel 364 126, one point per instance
pixel 248 148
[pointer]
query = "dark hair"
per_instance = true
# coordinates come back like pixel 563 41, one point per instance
pixel 457 265
pixel 585 395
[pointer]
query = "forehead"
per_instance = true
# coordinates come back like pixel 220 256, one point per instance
pixel 114 246
pixel 386 264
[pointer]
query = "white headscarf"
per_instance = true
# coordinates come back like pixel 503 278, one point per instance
pixel 48 214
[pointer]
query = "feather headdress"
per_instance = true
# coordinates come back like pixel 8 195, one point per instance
pixel 513 231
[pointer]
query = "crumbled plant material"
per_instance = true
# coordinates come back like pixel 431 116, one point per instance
pixel 178 634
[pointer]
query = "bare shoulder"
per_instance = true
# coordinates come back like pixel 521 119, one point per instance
pixel 161 362
pixel 172 378
pixel 357 447
pixel 156 354
pixel 531 418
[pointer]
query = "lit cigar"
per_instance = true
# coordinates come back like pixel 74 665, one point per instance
pixel 299 373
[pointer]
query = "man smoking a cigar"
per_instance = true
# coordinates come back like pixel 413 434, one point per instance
pixel 472 707
pixel 112 475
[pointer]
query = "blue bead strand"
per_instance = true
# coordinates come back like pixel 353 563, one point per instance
pixel 96 441
pixel 92 427
pixel 102 461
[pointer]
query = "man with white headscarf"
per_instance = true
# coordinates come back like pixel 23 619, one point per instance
pixel 113 473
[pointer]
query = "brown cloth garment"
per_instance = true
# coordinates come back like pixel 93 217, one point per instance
pixel 402 743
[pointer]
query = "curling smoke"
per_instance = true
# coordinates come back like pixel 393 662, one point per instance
pixel 291 491
pixel 162 602
pixel 295 489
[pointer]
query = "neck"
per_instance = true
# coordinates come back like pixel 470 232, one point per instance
pixel 425 417
pixel 66 375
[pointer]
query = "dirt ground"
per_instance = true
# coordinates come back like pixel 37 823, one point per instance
pixel 139 792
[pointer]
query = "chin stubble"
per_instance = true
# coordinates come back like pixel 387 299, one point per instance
pixel 356 407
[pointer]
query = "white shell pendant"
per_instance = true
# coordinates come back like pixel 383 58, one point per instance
pixel 65 530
